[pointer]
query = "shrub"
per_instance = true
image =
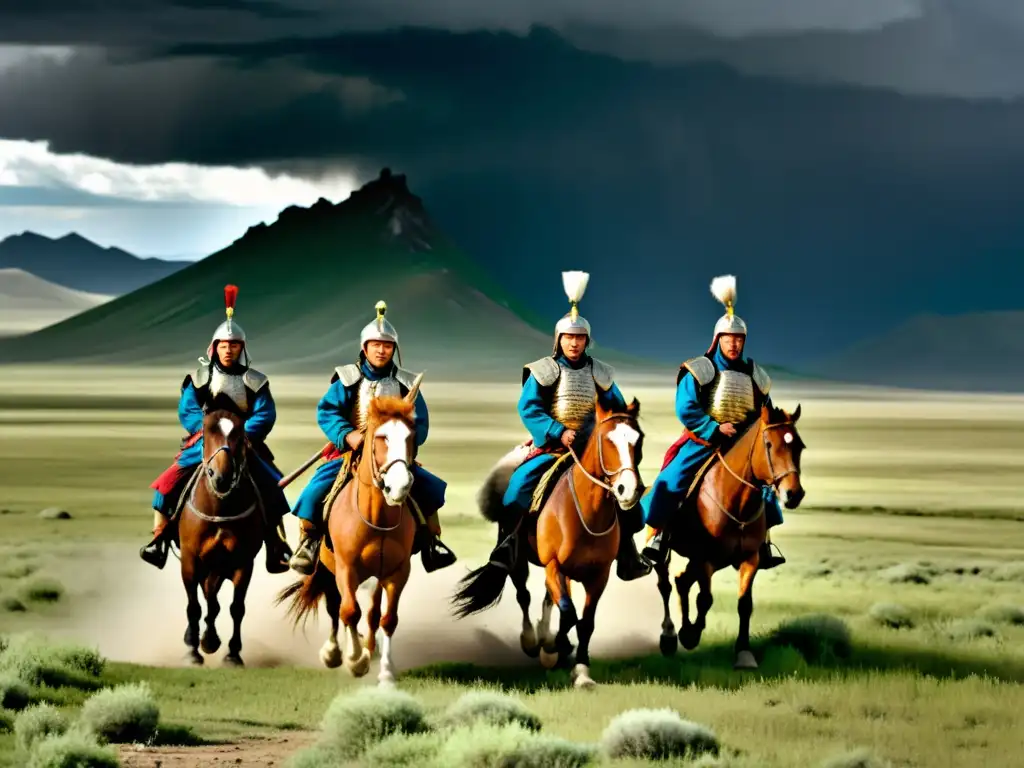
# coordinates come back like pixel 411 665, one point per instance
pixel 818 637
pixel 405 751
pixel 489 707
pixel 489 746
pixel 12 604
pixel 73 749
pixel 970 629
pixel 121 715
pixel 1003 614
pixel 656 734
pixel 891 615
pixel 35 661
pixel 37 723
pixel 354 722
pixel 42 589
pixel 908 573
pixel 14 694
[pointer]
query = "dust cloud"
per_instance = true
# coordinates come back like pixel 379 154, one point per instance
pixel 134 613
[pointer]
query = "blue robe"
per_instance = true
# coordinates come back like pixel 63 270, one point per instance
pixel 534 403
pixel 260 421
pixel 672 483
pixel 334 416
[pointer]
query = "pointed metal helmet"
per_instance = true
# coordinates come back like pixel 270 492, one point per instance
pixel 723 288
pixel 229 330
pixel 380 329
pixel 575 284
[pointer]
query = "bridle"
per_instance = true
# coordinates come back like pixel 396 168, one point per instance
pixel 776 477
pixel 239 469
pixel 377 473
pixel 607 478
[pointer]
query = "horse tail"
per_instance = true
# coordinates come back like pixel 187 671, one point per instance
pixel 491 494
pixel 306 593
pixel 479 589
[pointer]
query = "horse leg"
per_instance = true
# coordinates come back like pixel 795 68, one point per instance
pixel 585 630
pixel 330 652
pixel 240 580
pixel 528 638
pixel 210 642
pixel 701 573
pixel 557 652
pixel 684 581
pixel 544 637
pixel 668 642
pixel 745 607
pixel 357 658
pixel 373 618
pixel 389 624
pixel 194 611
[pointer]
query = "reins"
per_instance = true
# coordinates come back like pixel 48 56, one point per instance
pixel 239 469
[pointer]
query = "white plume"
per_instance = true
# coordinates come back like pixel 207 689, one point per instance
pixel 575 284
pixel 723 288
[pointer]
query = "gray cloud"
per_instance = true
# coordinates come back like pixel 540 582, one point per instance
pixel 957 47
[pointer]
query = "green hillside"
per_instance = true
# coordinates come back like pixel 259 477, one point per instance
pixel 307 285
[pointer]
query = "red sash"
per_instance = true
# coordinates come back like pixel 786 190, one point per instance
pixel 677 446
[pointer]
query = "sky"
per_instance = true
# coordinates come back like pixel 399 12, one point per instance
pixel 166 127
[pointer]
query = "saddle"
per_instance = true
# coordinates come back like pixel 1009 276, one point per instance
pixel 547 482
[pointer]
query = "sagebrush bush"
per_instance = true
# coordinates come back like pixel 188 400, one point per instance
pixel 656 734
pixel 405 750
pixel 12 604
pixel 125 714
pixel 908 573
pixel 891 615
pixel 1003 614
pixel 970 629
pixel 6 722
pixel 317 756
pixel 74 749
pixel 489 707
pixel 818 637
pixel 355 721
pixel 860 758
pixel 17 570
pixel 489 746
pixel 36 661
pixel 14 693
pixel 41 589
pixel 38 722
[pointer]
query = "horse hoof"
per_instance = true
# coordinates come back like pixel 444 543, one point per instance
pixel 233 660
pixel 330 656
pixel 210 643
pixel 360 666
pixel 581 677
pixel 689 638
pixel 528 642
pixel 194 658
pixel 548 659
pixel 745 660
pixel 669 644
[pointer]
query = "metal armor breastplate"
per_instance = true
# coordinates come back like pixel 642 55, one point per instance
pixel 730 397
pixel 368 390
pixel 573 401
pixel 231 386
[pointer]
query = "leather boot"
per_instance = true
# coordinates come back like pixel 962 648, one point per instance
pixel 767 558
pixel 279 554
pixel 630 564
pixel 155 553
pixel 305 558
pixel 657 548
pixel 433 552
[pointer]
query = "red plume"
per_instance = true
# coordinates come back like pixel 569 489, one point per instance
pixel 230 296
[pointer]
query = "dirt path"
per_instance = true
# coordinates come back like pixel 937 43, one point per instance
pixel 248 753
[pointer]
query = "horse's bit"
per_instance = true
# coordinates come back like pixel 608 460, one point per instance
pixel 238 471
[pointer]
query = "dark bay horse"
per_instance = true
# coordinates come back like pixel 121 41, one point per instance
pixel 220 531
pixel 372 528
pixel 575 536
pixel 728 525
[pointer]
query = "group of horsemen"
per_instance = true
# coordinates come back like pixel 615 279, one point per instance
pixel 718 394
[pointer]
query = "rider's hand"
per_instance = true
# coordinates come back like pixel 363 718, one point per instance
pixel 354 440
pixel 567 437
pixel 729 430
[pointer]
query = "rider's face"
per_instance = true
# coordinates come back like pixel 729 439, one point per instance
pixel 731 345
pixel 573 345
pixel 379 353
pixel 228 352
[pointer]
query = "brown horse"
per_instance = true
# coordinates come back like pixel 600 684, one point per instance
pixel 575 536
pixel 220 531
pixel 371 528
pixel 729 525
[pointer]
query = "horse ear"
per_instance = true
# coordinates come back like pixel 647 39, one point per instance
pixel 796 413
pixel 414 389
pixel 633 409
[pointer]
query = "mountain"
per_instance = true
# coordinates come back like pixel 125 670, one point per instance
pixel 80 264
pixel 28 303
pixel 981 351
pixel 307 284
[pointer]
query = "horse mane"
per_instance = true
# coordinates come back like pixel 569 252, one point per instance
pixel 385 408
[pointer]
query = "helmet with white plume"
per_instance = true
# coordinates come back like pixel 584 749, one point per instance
pixel 575 284
pixel 723 288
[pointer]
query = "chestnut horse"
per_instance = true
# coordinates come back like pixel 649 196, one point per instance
pixel 371 528
pixel 729 526
pixel 575 536
pixel 220 532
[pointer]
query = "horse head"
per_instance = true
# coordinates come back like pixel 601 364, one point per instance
pixel 223 451
pixel 780 465
pixel 391 442
pixel 619 442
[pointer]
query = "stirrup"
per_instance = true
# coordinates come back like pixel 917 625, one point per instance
pixel 436 555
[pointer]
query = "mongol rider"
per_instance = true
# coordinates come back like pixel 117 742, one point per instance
pixel 718 395
pixel 223 380
pixel 341 414
pixel 556 405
